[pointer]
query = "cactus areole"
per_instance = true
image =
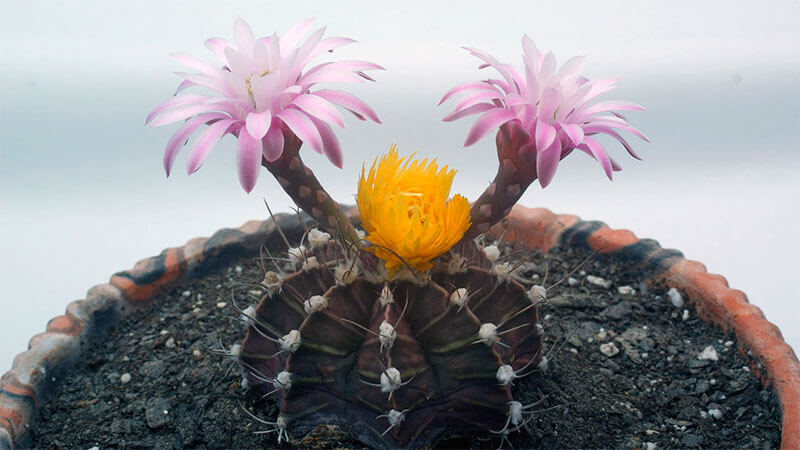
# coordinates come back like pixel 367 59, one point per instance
pixel 407 328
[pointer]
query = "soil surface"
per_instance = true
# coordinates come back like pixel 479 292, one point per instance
pixel 625 368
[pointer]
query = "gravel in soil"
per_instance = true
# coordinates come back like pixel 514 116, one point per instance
pixel 625 368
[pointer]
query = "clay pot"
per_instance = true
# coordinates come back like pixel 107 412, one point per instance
pixel 26 385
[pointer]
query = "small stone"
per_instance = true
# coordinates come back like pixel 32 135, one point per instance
pixel 125 378
pixel 157 412
pixel 598 281
pixel 650 446
pixel 186 293
pixel 708 354
pixel 221 305
pixel 196 353
pixel 728 343
pixel 609 349
pixel 163 332
pixel 692 440
pixel 685 315
pixel 715 413
pixel 170 343
pixel 582 273
pixel 626 290
pixel 572 281
pixel 675 297
pixel 602 335
pixel 238 269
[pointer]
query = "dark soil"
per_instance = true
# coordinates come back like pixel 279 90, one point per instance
pixel 156 381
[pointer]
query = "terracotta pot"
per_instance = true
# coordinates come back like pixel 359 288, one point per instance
pixel 26 385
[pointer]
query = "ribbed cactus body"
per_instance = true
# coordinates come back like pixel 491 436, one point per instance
pixel 424 365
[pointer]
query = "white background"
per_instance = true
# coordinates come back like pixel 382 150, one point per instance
pixel 83 193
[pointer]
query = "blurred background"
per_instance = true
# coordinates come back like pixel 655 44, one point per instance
pixel 83 193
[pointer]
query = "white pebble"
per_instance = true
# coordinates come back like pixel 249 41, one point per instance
pixel 728 343
pixel 196 353
pixel 602 335
pixel 238 269
pixel 715 413
pixel 164 332
pixel 221 305
pixel 626 290
pixel 650 446
pixel 572 281
pixel 582 273
pixel 598 281
pixel 186 293
pixel 675 297
pixel 125 378
pixel 685 315
pixel 170 343
pixel 609 349
pixel 708 354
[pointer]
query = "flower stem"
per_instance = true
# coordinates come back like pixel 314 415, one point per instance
pixel 305 190
pixel 516 171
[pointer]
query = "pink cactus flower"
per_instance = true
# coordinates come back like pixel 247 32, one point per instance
pixel 553 106
pixel 260 89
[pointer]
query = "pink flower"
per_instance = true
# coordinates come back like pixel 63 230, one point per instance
pixel 554 107
pixel 259 90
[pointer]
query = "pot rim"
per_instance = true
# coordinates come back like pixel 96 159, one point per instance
pixel 55 350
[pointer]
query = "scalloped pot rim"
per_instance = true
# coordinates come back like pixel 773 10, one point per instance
pixel 26 385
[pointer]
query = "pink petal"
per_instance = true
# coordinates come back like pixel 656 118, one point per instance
pixel 330 144
pixel 248 159
pixel 184 84
pixel 463 87
pixel 343 71
pixel 303 127
pixel 573 132
pixel 615 135
pixel 182 113
pixel 549 102
pixel 492 61
pixel 486 123
pixel 299 57
pixel 180 136
pixel 202 80
pixel 606 107
pixel 547 163
pixel 173 102
pixel 204 67
pixel 571 67
pixel 607 122
pixel 320 108
pixel 217 46
pixel 474 109
pixel 326 45
pixel 548 66
pixel 273 143
pixel 349 102
pixel 292 37
pixel 477 97
pixel 204 142
pixel 545 135
pixel 258 123
pixel 599 154
pixel 243 35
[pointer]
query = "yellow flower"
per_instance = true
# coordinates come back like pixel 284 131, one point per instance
pixel 406 212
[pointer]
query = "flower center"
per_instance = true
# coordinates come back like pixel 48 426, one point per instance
pixel 249 85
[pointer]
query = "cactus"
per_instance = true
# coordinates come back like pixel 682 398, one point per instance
pixel 393 363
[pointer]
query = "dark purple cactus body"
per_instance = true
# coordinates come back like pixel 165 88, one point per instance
pixel 393 363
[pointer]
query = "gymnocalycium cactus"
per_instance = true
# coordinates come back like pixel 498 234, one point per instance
pixel 408 327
